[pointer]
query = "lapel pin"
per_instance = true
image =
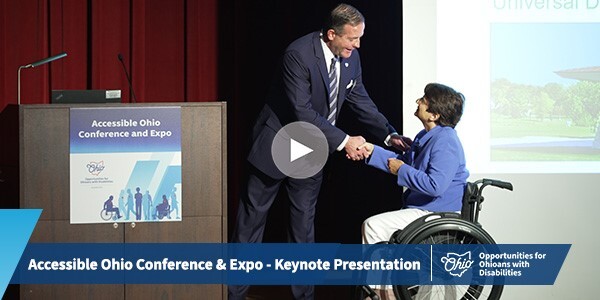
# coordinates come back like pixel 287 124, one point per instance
pixel 346 64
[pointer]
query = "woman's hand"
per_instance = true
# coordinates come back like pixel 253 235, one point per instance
pixel 394 165
pixel 367 147
pixel 400 142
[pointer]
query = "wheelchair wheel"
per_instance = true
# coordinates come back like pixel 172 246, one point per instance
pixel 447 230
pixel 107 215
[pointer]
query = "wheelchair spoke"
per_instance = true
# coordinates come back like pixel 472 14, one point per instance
pixel 413 290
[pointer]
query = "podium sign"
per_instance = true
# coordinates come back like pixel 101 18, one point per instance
pixel 125 164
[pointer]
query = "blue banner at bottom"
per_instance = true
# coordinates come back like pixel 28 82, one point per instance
pixel 282 264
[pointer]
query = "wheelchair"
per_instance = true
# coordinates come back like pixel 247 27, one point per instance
pixel 448 228
pixel 107 215
pixel 162 211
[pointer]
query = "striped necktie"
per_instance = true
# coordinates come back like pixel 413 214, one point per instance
pixel 333 91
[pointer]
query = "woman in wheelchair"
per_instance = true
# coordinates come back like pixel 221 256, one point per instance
pixel 433 169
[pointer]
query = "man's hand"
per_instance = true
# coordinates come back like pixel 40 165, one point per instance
pixel 352 151
pixel 400 142
pixel 394 165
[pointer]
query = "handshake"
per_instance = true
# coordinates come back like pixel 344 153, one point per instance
pixel 357 148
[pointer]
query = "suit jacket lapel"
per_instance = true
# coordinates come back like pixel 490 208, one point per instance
pixel 321 59
pixel 344 73
pixel 344 80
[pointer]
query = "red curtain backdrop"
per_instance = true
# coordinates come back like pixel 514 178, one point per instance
pixel 169 48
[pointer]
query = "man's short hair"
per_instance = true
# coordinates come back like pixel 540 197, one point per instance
pixel 341 15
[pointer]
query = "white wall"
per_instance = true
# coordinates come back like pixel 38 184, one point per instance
pixel 549 209
pixel 542 209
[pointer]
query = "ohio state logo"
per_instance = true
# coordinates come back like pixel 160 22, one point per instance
pixel 456 264
pixel 95 168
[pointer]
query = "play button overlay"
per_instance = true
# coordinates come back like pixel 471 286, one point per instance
pixel 299 150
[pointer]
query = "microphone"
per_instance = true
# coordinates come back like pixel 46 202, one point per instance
pixel 45 60
pixel 120 57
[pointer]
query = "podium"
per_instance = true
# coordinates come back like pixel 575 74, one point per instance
pixel 44 183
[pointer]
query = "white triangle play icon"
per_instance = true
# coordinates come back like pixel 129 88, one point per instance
pixel 298 150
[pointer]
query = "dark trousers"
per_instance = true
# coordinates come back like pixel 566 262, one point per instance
pixel 253 210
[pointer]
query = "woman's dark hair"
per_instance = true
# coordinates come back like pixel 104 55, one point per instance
pixel 341 15
pixel 446 102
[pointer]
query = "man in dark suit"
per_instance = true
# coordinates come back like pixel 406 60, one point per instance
pixel 320 72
